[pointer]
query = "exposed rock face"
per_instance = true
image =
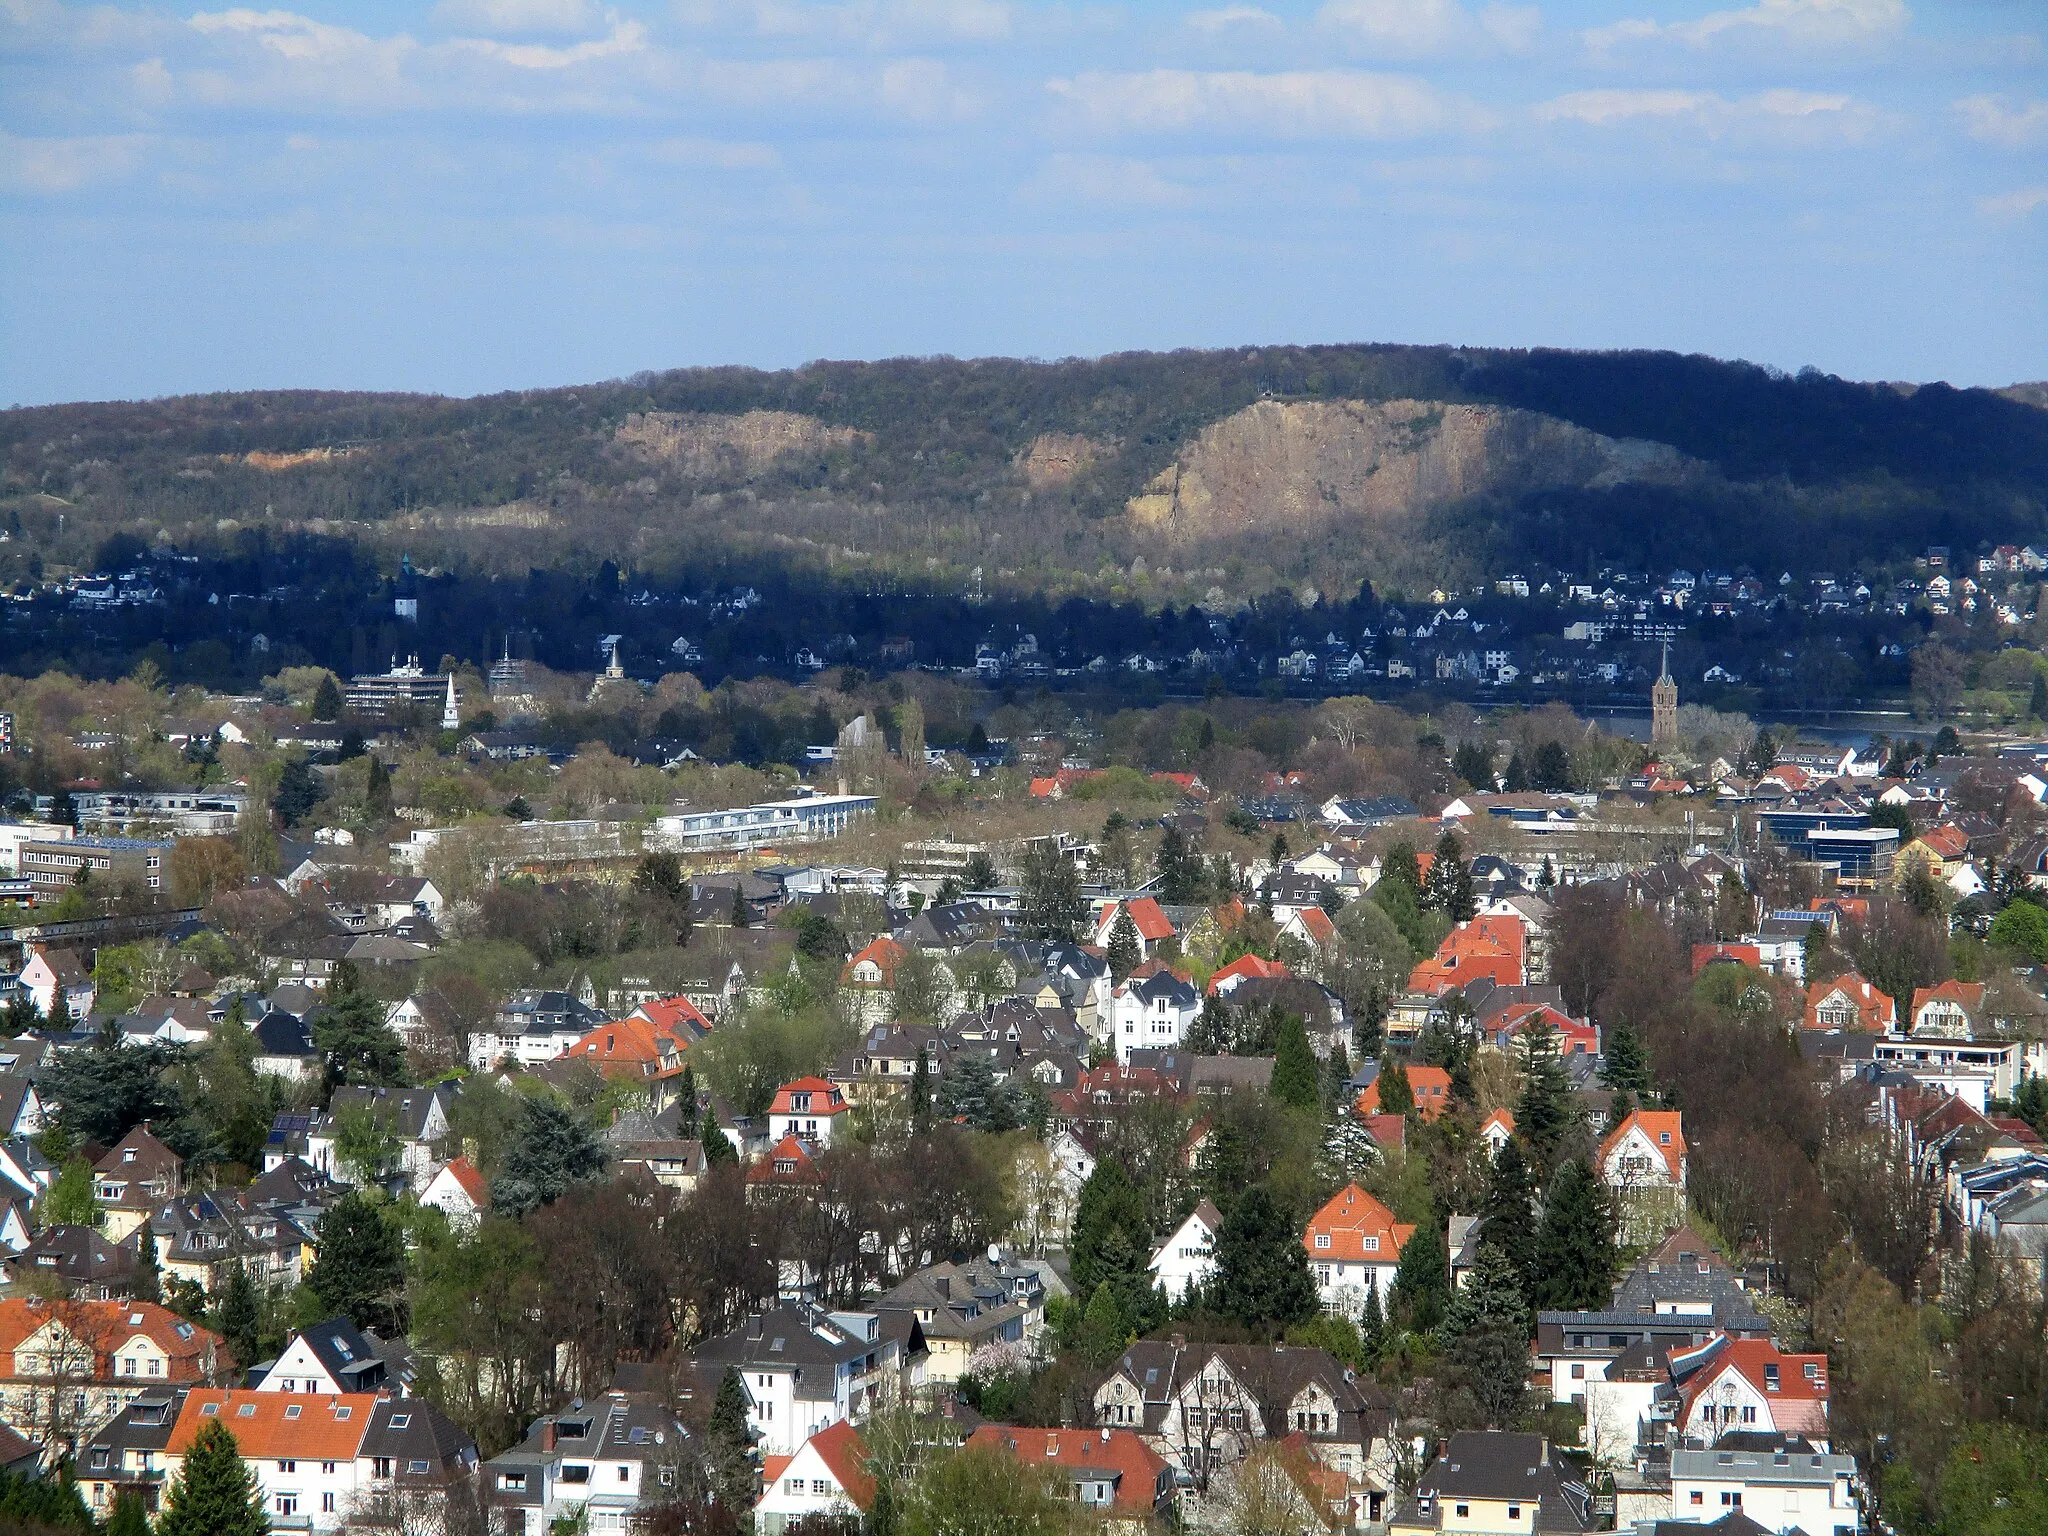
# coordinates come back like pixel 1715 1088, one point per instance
pixel 1301 465
pixel 706 447
pixel 1055 458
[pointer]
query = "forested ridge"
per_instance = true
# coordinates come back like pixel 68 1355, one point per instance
pixel 1808 470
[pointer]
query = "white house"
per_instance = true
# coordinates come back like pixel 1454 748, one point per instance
pixel 407 1020
pixel 52 970
pixel 459 1191
pixel 1188 1257
pixel 807 1109
pixel 1749 1384
pixel 1792 1489
pixel 827 1476
pixel 1152 1012
pixel 1354 1247
pixel 335 1356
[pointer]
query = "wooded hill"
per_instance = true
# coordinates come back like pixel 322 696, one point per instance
pixel 1155 476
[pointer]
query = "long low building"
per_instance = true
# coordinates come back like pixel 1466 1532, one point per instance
pixel 806 819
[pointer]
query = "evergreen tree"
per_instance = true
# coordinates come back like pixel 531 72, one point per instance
pixel 742 914
pixel 981 872
pixel 360 1270
pixel 216 1494
pixel 1545 1113
pixel 149 1284
pixel 1575 1255
pixel 1552 770
pixel 1336 1074
pixel 729 1447
pixel 1109 1202
pixel 1515 779
pixel 686 1105
pixel 1122 951
pixel 1262 1277
pixel 1049 900
pixel 552 1149
pixel 1178 864
pixel 351 1034
pixel 1474 764
pixel 130 1518
pixel 1625 1066
pixel 921 1093
pixel 1440 890
pixel 1546 877
pixel 1296 1080
pixel 1422 1278
pixel 1507 1218
pixel 2037 701
pixel 1486 1327
pixel 240 1321
pixel 298 791
pixel 1395 1095
pixel 1401 866
pixel 1103 1327
pixel 377 792
pixel 327 699
pixel 1372 1326
pixel 718 1147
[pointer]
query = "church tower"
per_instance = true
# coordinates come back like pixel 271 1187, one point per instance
pixel 451 717
pixel 1664 708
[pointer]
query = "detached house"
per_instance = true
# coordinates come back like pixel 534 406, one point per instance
pixel 50 972
pixel 827 1476
pixel 1354 1246
pixel 1152 925
pixel 1187 1259
pixel 1948 1011
pixel 807 1109
pixel 1494 1484
pixel 67 1365
pixel 1748 1384
pixel 133 1179
pixel 1114 1473
pixel 1152 1012
pixel 1643 1160
pixel 1849 1003
pixel 804 1370
pixel 596 1466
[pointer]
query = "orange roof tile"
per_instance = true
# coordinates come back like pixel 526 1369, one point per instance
pixel 1348 1221
pixel 1665 1130
pixel 1849 1001
pixel 266 1425
pixel 839 1446
pixel 1250 968
pixel 1117 1450
pixel 1431 1087
pixel 826 1099
pixel 466 1174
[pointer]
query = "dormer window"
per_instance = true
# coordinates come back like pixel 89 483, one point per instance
pixel 1322 1239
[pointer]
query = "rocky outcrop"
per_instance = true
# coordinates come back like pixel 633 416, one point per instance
pixel 1055 458
pixel 1296 466
pixel 707 447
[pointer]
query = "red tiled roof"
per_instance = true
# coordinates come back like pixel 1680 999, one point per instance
pixel 466 1174
pixel 1874 1010
pixel 1318 924
pixel 839 1446
pixel 1347 1220
pixel 1666 1133
pixel 107 1326
pixel 1491 947
pixel 1249 968
pixel 1967 995
pixel 310 1426
pixel 884 952
pixel 1115 1450
pixel 826 1099
pixel 1151 923
pixel 788 1162
pixel 1704 955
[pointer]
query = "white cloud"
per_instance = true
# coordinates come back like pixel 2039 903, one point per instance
pixel 1776 23
pixel 1231 17
pixel 1105 181
pixel 1419 28
pixel 52 166
pixel 1335 103
pixel 518 17
pixel 1990 119
pixel 292 59
pixel 1783 115
pixel 2014 205
pixel 626 37
pixel 867 23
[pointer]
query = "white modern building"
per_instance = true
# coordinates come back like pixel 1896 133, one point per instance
pixel 806 819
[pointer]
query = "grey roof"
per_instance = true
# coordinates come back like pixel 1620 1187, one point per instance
pixel 1810 1469
pixel 424 1444
pixel 1490 1464
pixel 282 1034
pixel 347 1354
pixel 789 1336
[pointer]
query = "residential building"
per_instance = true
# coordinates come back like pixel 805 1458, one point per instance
pixel 1848 1002
pixel 963 1309
pixel 804 1369
pixel 67 1365
pixel 319 1459
pixel 1786 1486
pixel 460 1191
pixel 1489 1483
pixel 807 1109
pixel 1113 1472
pixel 1643 1160
pixel 533 1027
pixel 806 819
pixel 416 1119
pixel 125 1454
pixel 1187 1259
pixel 52 868
pixel 827 1476
pixel 594 1465
pixel 1354 1246
pixel 53 971
pixel 338 1357
pixel 1749 1384
pixel 133 1179
pixel 1152 1012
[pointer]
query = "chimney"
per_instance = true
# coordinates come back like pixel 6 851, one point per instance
pixel 1179 1341
pixel 547 1437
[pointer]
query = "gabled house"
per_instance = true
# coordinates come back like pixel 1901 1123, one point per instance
pixel 1152 925
pixel 131 1180
pixel 1114 1474
pixel 459 1191
pixel 827 1476
pixel 67 1365
pixel 960 1312
pixel 532 1027
pixel 1430 1087
pixel 50 972
pixel 1491 1483
pixel 338 1357
pixel 807 1108
pixel 867 982
pixel 1152 1011
pixel 1354 1245
pixel 1187 1259
pixel 417 1119
pixel 284 1047
pixel 1748 1384
pixel 804 1370
pixel 1849 1003
pixel 1783 1478
pixel 1948 1011
pixel 1643 1160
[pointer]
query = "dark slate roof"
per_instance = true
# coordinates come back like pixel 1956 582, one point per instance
pixel 283 1034
pixel 1490 1464
pixel 424 1444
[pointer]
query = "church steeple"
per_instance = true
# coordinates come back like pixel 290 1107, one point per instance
pixel 1664 707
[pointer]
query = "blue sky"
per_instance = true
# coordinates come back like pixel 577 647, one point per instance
pixel 484 194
